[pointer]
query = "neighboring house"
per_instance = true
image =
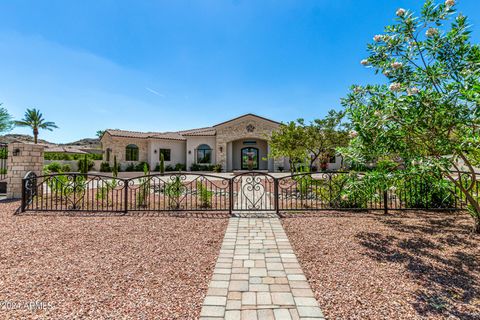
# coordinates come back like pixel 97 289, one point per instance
pixel 64 150
pixel 235 144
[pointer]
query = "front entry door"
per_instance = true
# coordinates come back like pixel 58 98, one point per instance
pixel 249 158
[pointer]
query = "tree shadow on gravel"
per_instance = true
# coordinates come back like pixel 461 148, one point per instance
pixel 439 254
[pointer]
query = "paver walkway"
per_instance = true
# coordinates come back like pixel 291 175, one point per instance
pixel 257 276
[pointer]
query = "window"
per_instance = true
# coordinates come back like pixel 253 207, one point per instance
pixel 333 159
pixel 166 154
pixel 204 154
pixel 131 153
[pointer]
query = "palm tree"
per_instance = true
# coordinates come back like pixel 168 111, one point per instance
pixel 6 123
pixel 33 118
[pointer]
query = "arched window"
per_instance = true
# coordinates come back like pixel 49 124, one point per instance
pixel 204 154
pixel 131 152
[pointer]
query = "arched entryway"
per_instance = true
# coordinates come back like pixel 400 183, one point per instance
pixel 242 152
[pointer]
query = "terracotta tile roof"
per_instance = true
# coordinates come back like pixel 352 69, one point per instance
pixel 168 135
pixel 208 131
pixel 128 134
pixel 145 135
pixel 163 135
pixel 62 149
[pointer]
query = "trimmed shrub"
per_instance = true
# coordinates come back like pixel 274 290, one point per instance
pixel 201 167
pixel 162 163
pixel 89 165
pixel 130 167
pixel 141 166
pixel 180 167
pixel 137 167
pixel 205 195
pixel 116 167
pixel 54 167
pixel 105 167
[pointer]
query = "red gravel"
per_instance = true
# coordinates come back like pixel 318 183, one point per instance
pixel 132 267
pixel 404 266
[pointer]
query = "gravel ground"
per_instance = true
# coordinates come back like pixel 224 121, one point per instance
pixel 114 267
pixel 404 266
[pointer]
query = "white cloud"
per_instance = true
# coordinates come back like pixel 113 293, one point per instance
pixel 155 92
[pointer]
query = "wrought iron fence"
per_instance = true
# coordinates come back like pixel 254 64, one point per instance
pixel 251 191
pixel 3 160
pixel 95 192
pixel 370 191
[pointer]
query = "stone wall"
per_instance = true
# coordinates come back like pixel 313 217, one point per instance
pixel 118 145
pixel 22 158
pixel 246 128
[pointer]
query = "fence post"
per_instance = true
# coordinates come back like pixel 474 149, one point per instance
pixel 230 196
pixel 275 193
pixel 74 205
pixel 24 196
pixel 426 191
pixel 385 202
pixel 330 190
pixel 125 194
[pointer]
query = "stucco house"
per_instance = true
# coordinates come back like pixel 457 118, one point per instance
pixel 237 144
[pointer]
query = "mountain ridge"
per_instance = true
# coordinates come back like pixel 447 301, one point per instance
pixel 91 143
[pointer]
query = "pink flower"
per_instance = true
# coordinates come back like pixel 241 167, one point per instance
pixel 431 32
pixel 395 87
pixel 400 12
pixel 386 73
pixel 353 134
pixel 365 62
pixel 413 91
pixel 396 65
pixel 450 3
pixel 378 38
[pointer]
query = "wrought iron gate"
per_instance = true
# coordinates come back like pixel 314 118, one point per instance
pixel 254 191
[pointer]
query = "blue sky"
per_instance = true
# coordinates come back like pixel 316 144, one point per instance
pixel 172 65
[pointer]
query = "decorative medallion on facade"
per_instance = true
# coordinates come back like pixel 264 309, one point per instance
pixel 250 128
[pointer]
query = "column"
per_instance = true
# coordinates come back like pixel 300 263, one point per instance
pixel 22 158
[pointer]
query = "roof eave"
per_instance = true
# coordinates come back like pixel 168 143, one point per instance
pixel 246 115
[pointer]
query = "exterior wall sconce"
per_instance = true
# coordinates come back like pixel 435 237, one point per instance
pixel 16 152
pixel 189 151
pixel 155 151
pixel 221 149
